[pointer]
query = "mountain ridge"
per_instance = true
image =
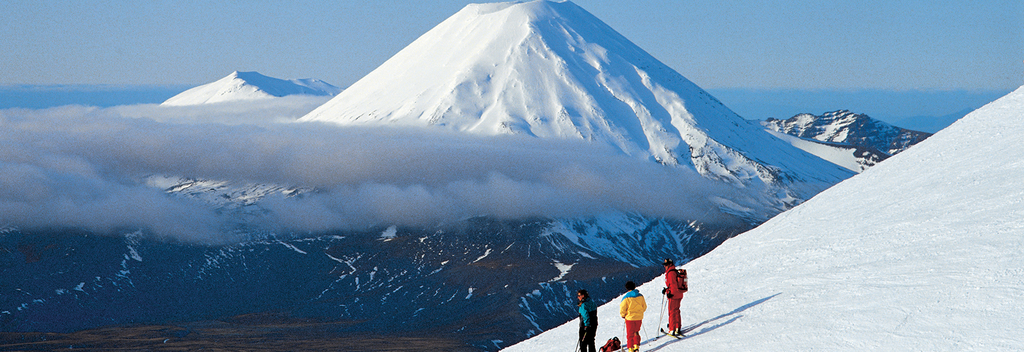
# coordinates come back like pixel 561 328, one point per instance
pixel 853 141
pixel 846 127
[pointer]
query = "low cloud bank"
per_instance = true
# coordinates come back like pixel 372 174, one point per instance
pixel 86 167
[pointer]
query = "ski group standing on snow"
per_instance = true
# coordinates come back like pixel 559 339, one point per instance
pixel 632 309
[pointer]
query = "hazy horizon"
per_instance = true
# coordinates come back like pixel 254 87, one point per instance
pixel 912 109
pixel 792 44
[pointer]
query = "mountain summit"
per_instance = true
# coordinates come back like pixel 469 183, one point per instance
pixel 249 86
pixel 553 70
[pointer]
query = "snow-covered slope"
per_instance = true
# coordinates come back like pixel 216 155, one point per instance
pixel 922 252
pixel 853 158
pixel 553 70
pixel 249 86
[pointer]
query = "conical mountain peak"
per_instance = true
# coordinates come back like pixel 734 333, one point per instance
pixel 539 68
pixel 553 70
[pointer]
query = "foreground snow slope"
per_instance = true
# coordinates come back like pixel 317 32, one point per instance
pixel 921 252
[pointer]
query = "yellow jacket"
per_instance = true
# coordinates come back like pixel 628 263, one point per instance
pixel 633 306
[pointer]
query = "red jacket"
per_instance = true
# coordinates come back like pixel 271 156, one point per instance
pixel 670 281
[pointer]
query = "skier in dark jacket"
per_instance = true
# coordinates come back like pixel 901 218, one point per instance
pixel 588 321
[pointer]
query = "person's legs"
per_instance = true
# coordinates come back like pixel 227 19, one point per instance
pixel 633 333
pixel 589 344
pixel 674 321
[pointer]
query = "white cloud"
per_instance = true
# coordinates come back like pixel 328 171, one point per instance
pixel 85 167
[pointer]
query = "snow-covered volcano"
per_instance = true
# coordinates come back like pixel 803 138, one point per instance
pixel 553 70
pixel 921 252
pixel 250 86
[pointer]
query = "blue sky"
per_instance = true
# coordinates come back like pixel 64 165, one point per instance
pixel 791 44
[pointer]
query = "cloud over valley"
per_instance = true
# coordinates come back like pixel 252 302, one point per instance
pixel 91 168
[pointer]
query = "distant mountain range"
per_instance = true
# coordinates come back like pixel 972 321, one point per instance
pixel 240 86
pixel 854 141
pixel 919 110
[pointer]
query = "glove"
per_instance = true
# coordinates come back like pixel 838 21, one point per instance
pixel 663 290
pixel 669 295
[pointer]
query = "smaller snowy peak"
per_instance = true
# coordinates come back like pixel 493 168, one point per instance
pixel 250 86
pixel 848 128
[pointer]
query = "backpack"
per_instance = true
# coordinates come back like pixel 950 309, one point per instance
pixel 681 280
pixel 613 344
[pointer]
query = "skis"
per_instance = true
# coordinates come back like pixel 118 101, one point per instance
pixel 669 333
pixel 682 332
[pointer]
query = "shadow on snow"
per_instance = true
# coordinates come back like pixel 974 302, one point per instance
pixel 731 316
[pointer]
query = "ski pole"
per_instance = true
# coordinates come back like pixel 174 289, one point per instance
pixel 625 332
pixel 662 314
pixel 578 342
pixel 641 337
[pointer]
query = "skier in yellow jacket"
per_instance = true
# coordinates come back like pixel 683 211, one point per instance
pixel 632 309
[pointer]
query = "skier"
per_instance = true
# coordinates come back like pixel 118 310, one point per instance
pixel 632 309
pixel 588 322
pixel 674 293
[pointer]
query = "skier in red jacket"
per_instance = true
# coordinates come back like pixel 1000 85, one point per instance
pixel 674 293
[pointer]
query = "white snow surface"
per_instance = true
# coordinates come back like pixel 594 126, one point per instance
pixel 845 157
pixel 243 86
pixel 553 70
pixel 923 252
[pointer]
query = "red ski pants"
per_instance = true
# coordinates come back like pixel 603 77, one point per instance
pixel 674 322
pixel 633 333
